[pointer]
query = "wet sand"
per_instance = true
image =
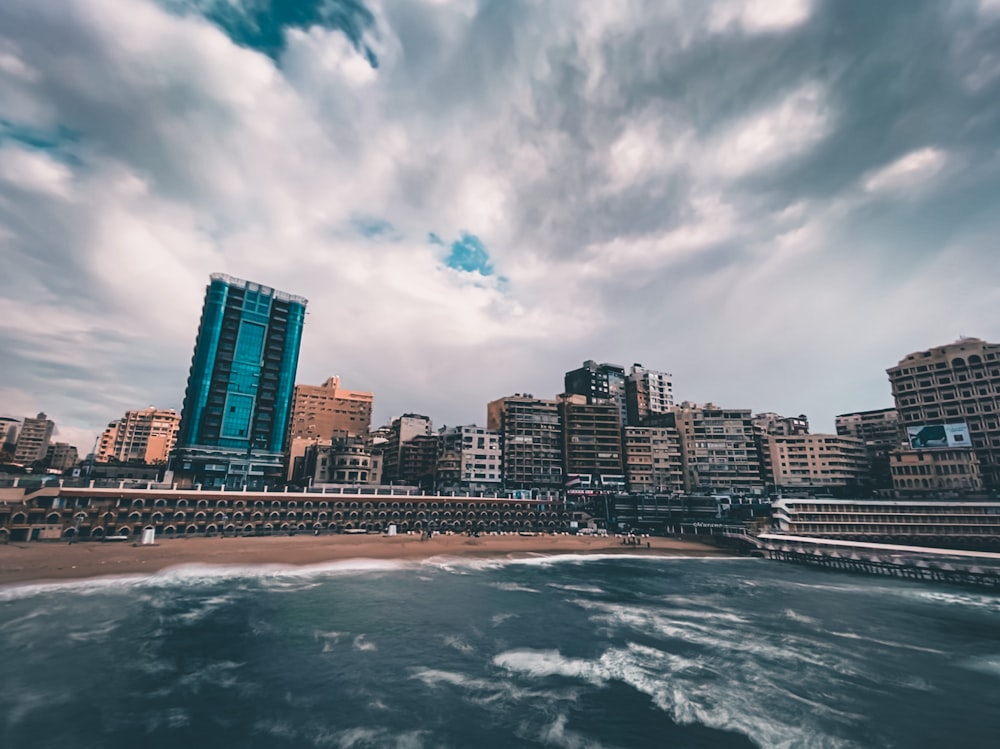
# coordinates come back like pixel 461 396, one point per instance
pixel 51 561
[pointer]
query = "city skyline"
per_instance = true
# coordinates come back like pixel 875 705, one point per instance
pixel 775 202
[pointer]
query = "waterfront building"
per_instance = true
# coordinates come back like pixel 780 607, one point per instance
pixel 530 442
pixel 418 461
pixel 599 383
pixel 140 436
pixel 816 462
pixel 940 472
pixel 33 439
pixel 469 460
pixel 320 411
pixel 879 430
pixel 653 460
pixel 61 455
pixel 347 459
pixel 647 392
pixel 9 428
pixel 949 397
pixel 401 430
pixel 91 512
pixel 234 423
pixel 943 523
pixel 718 449
pixel 591 439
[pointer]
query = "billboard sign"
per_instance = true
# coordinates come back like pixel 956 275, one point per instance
pixel 926 436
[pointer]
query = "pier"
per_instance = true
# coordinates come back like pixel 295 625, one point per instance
pixel 952 566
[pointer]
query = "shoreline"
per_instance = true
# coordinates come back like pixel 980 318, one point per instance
pixel 47 562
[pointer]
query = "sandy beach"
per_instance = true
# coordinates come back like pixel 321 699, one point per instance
pixel 51 561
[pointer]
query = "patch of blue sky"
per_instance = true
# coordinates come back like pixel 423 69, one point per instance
pixel 372 227
pixel 261 24
pixel 469 254
pixel 59 142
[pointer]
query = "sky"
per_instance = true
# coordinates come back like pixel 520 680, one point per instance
pixel 773 200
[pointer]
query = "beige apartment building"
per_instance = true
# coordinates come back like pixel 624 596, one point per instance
pixel 321 413
pixel 320 410
pixel 951 394
pixel 647 392
pixel 140 436
pixel 33 439
pixel 816 461
pixel 718 449
pixel 530 442
pixel 653 460
pixel 922 473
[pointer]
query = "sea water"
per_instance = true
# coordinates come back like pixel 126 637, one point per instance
pixel 573 652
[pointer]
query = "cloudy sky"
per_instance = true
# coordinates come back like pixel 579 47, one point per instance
pixel 774 200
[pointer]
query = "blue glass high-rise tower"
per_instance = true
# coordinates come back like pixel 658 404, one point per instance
pixel 239 391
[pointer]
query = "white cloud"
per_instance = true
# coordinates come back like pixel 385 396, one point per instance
pixel 35 171
pixel 760 16
pixel 908 172
pixel 600 152
pixel 776 134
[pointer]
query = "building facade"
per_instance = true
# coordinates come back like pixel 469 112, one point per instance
pixel 816 462
pixel 469 460
pixel 879 430
pixel 718 450
pixel 931 473
pixel 647 392
pixel 345 460
pixel 949 397
pixel 599 383
pixel 234 422
pixel 402 430
pixel 9 427
pixel 33 439
pixel 320 410
pixel 653 460
pixel 140 436
pixel 61 455
pixel 591 438
pixel 530 442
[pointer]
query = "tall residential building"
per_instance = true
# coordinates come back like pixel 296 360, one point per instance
pixel 816 462
pixel 418 459
pixel 879 430
pixel 9 428
pixel 33 439
pixel 718 449
pixel 320 410
pixel 140 436
pixel 401 431
pixel 948 397
pixel 646 393
pixel 530 442
pixel 592 438
pixel 61 455
pixel 653 460
pixel 238 400
pixel 599 382
pixel 469 460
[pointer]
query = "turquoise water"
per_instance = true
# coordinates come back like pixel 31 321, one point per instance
pixel 567 652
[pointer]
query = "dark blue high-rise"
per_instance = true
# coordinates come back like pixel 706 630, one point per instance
pixel 239 391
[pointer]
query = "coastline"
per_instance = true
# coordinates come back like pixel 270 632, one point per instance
pixel 40 562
